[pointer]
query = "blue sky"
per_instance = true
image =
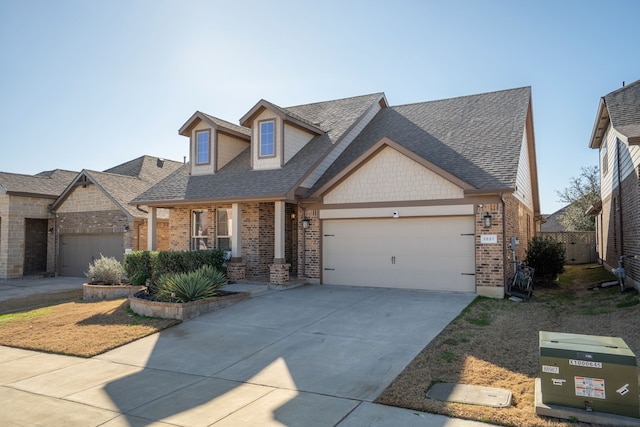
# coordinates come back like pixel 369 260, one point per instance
pixel 92 84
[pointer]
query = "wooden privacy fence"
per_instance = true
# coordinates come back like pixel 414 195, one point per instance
pixel 579 246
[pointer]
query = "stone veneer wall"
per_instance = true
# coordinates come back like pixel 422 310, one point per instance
pixel 13 211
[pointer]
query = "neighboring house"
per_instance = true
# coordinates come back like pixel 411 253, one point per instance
pixel 580 246
pixel 616 134
pixel 27 245
pixel 93 215
pixel 356 192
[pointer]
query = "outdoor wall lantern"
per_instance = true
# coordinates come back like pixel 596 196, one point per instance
pixel 126 228
pixel 487 220
pixel 306 223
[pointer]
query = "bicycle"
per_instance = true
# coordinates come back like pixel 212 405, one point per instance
pixel 622 275
pixel 522 283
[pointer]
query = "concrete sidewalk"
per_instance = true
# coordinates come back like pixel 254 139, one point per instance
pixel 17 288
pixel 310 356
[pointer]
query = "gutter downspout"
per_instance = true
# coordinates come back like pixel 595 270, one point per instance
pixel 504 242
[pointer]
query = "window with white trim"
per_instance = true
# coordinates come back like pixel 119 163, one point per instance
pixel 203 138
pixel 267 138
pixel 199 230
pixel 224 222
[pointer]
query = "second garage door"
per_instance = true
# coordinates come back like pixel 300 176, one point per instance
pixel 413 253
pixel 77 251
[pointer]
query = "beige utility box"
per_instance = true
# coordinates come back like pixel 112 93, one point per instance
pixel 589 372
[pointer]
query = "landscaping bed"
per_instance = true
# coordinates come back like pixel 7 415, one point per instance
pixel 494 343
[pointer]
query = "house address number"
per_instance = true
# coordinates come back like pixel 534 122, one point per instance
pixel 488 238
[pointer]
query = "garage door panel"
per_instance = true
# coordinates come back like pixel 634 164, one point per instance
pixel 416 253
pixel 77 251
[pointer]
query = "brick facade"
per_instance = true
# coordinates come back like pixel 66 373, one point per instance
pixel 258 227
pixel 309 263
pixel 623 233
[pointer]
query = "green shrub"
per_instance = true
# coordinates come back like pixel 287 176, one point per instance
pixel 205 282
pixel 106 270
pixel 137 266
pixel 143 265
pixel 546 255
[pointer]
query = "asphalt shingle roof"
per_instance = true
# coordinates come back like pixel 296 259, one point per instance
pixel 128 180
pixel 237 180
pixel 46 184
pixel 228 125
pixel 553 222
pixel 476 138
pixel 624 109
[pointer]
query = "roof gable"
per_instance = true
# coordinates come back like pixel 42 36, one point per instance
pixel 124 182
pixel 621 109
pixel 390 175
pixel 475 138
pixel 284 113
pixel 429 169
pixel 214 122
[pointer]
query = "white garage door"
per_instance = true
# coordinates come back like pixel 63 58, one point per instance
pixel 413 253
pixel 77 251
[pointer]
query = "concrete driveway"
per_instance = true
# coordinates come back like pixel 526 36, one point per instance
pixel 310 356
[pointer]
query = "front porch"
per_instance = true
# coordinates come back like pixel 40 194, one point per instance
pixel 265 240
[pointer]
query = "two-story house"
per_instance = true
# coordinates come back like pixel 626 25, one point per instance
pixel 357 192
pixel 616 134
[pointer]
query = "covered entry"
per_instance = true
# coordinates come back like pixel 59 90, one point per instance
pixel 77 251
pixel 435 253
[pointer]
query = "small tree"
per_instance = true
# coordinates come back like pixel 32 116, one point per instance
pixel 546 256
pixel 583 191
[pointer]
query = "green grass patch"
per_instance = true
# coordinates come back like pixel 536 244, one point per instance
pixel 481 319
pixel 24 314
pixel 447 356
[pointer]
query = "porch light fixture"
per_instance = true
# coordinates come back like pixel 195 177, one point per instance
pixel 126 228
pixel 487 220
pixel 306 223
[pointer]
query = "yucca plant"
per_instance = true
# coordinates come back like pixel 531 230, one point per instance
pixel 204 282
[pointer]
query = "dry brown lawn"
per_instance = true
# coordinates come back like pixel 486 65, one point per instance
pixel 62 323
pixel 494 343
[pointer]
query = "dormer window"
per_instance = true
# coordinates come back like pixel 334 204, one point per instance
pixel 203 139
pixel 267 139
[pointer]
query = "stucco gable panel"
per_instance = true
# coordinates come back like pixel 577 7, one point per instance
pixel 392 176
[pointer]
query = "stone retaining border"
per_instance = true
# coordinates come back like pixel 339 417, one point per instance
pixel 184 311
pixel 106 292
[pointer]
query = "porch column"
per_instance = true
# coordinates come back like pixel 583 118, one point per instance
pixel 278 244
pixel 152 242
pixel 236 269
pixel 279 271
pixel 236 232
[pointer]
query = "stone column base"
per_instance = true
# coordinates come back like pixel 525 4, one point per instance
pixel 279 274
pixel 236 271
